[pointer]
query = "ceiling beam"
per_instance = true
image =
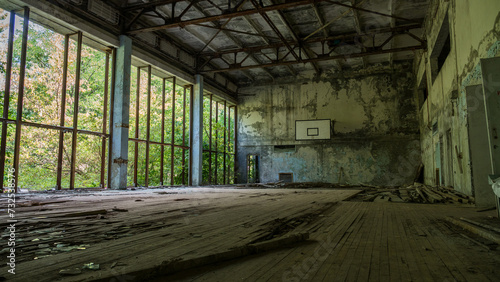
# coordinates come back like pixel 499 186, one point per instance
pixel 372 12
pixel 307 51
pixel 324 58
pixel 322 23
pixel 349 36
pixel 239 31
pixel 265 39
pixel 227 15
pixel 275 29
pixel 357 24
pixel 320 18
pixel 393 24
pixel 235 40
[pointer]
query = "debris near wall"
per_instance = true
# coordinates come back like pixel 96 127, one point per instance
pixel 415 193
pixel 298 185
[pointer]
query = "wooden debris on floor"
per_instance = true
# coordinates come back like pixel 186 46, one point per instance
pixel 414 193
pixel 89 234
pixel 487 232
pixel 296 185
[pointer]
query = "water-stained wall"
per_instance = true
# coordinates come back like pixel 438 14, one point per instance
pixel 375 128
pixel 474 29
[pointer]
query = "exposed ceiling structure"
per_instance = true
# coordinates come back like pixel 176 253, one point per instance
pixel 252 40
pixel 239 42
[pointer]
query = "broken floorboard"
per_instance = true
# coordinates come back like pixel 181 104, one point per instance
pixel 138 233
pixel 365 241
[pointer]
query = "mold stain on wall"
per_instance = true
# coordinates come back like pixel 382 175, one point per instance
pixel 471 39
pixel 374 126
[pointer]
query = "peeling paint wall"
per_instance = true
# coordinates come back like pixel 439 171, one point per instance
pixel 474 34
pixel 375 131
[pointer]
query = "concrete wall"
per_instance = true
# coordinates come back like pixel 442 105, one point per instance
pixel 474 30
pixel 374 140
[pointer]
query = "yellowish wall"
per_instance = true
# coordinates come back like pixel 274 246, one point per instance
pixel 474 30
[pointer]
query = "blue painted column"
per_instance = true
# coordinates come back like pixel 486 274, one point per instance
pixel 120 118
pixel 197 134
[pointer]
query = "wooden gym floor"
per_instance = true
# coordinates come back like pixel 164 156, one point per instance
pixel 141 235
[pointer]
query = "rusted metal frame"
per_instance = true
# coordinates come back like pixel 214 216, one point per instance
pixel 148 126
pixel 225 144
pixel 357 24
pixel 104 121
pixel 244 59
pixel 60 154
pixel 269 58
pixel 275 29
pixel 386 41
pixel 210 141
pixel 320 18
pixel 225 61
pixel 54 127
pixel 328 54
pixel 191 3
pixel 415 37
pixel 83 131
pixel 282 58
pixel 162 148
pixel 393 24
pixel 159 15
pixel 370 11
pixel 213 4
pixel 137 102
pixel 135 18
pixel 299 44
pixel 289 4
pixel 324 58
pixel 216 143
pixel 111 112
pixel 239 5
pixel 206 62
pixel 6 103
pixel 259 31
pixel 173 9
pixel 190 178
pixel 215 35
pixel 312 40
pixel 198 38
pixel 20 96
pixel 184 103
pixel 172 155
pixel 136 140
pixel 237 31
pixel 75 110
pixel 230 36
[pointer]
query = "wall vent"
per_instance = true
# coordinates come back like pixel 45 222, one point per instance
pixel 186 58
pixel 149 38
pixel 104 11
pixel 286 177
pixel 284 148
pixel 77 2
pixel 168 48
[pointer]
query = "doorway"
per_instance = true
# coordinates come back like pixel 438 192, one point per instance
pixel 252 168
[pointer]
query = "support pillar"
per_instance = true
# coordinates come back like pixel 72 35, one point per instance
pixel 197 134
pixel 121 105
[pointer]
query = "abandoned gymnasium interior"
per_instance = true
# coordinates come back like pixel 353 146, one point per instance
pixel 250 140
